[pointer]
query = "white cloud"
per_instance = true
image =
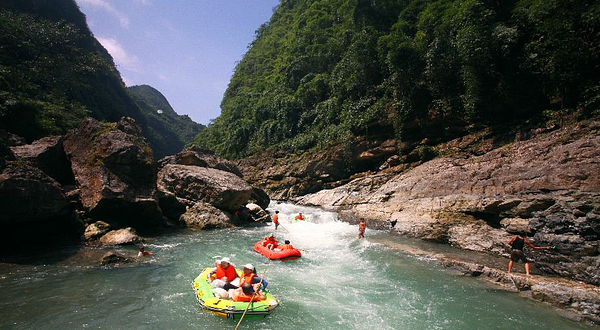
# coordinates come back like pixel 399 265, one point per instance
pixel 121 57
pixel 102 4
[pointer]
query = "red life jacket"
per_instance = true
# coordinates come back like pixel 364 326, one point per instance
pixel 222 272
pixel 239 295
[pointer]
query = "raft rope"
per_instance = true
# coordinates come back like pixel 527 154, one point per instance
pixel 252 299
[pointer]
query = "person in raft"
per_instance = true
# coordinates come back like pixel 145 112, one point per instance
pixel 247 292
pixel 300 216
pixel 225 275
pixel 517 244
pixel 276 219
pixel 270 242
pixel 362 226
pixel 286 246
pixel 143 252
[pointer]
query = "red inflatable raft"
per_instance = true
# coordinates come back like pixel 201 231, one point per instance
pixel 276 254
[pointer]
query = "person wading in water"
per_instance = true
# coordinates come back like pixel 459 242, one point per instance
pixel 517 244
pixel 362 226
pixel 276 219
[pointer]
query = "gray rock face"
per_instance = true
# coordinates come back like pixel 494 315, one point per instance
pixel 549 185
pixel 114 172
pixel 221 189
pixel 206 216
pixel 120 237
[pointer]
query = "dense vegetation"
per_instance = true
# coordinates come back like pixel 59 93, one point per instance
pixel 53 72
pixel 168 131
pixel 323 71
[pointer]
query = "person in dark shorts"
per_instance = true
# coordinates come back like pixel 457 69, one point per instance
pixel 517 244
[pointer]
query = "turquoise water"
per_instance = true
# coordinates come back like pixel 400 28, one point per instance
pixel 339 283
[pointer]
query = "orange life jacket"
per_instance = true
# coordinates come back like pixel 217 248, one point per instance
pixel 222 272
pixel 239 295
pixel 276 218
pixel 286 247
pixel 247 278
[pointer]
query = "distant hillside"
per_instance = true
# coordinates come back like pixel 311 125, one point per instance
pixel 168 131
pixel 53 73
pixel 418 71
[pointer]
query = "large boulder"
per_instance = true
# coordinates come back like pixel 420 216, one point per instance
pixel 197 156
pixel 28 195
pixel 113 258
pixel 193 184
pixel 120 237
pixel 114 171
pixel 48 155
pixel 260 198
pixel 33 208
pixel 206 216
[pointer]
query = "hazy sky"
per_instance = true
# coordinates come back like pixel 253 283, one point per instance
pixel 186 49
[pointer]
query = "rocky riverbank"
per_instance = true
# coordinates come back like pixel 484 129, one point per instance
pixel 100 184
pixel 572 299
pixel 477 195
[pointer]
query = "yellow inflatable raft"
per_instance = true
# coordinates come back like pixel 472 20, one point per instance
pixel 229 308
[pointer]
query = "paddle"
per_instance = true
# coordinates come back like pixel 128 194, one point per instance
pixel 282 227
pixel 251 300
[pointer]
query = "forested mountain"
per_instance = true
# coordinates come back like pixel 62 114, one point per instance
pixel 169 132
pixel 53 73
pixel 324 71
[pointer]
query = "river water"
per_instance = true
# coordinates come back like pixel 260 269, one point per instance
pixel 339 283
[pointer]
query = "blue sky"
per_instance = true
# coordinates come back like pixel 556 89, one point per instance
pixel 187 49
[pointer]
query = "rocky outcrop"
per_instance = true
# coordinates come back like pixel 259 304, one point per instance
pixel 33 208
pixel 548 185
pixel 285 176
pixel 114 172
pixel 48 155
pixel 192 184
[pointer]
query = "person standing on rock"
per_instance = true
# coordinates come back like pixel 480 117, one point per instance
pixel 517 244
pixel 362 226
pixel 276 219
